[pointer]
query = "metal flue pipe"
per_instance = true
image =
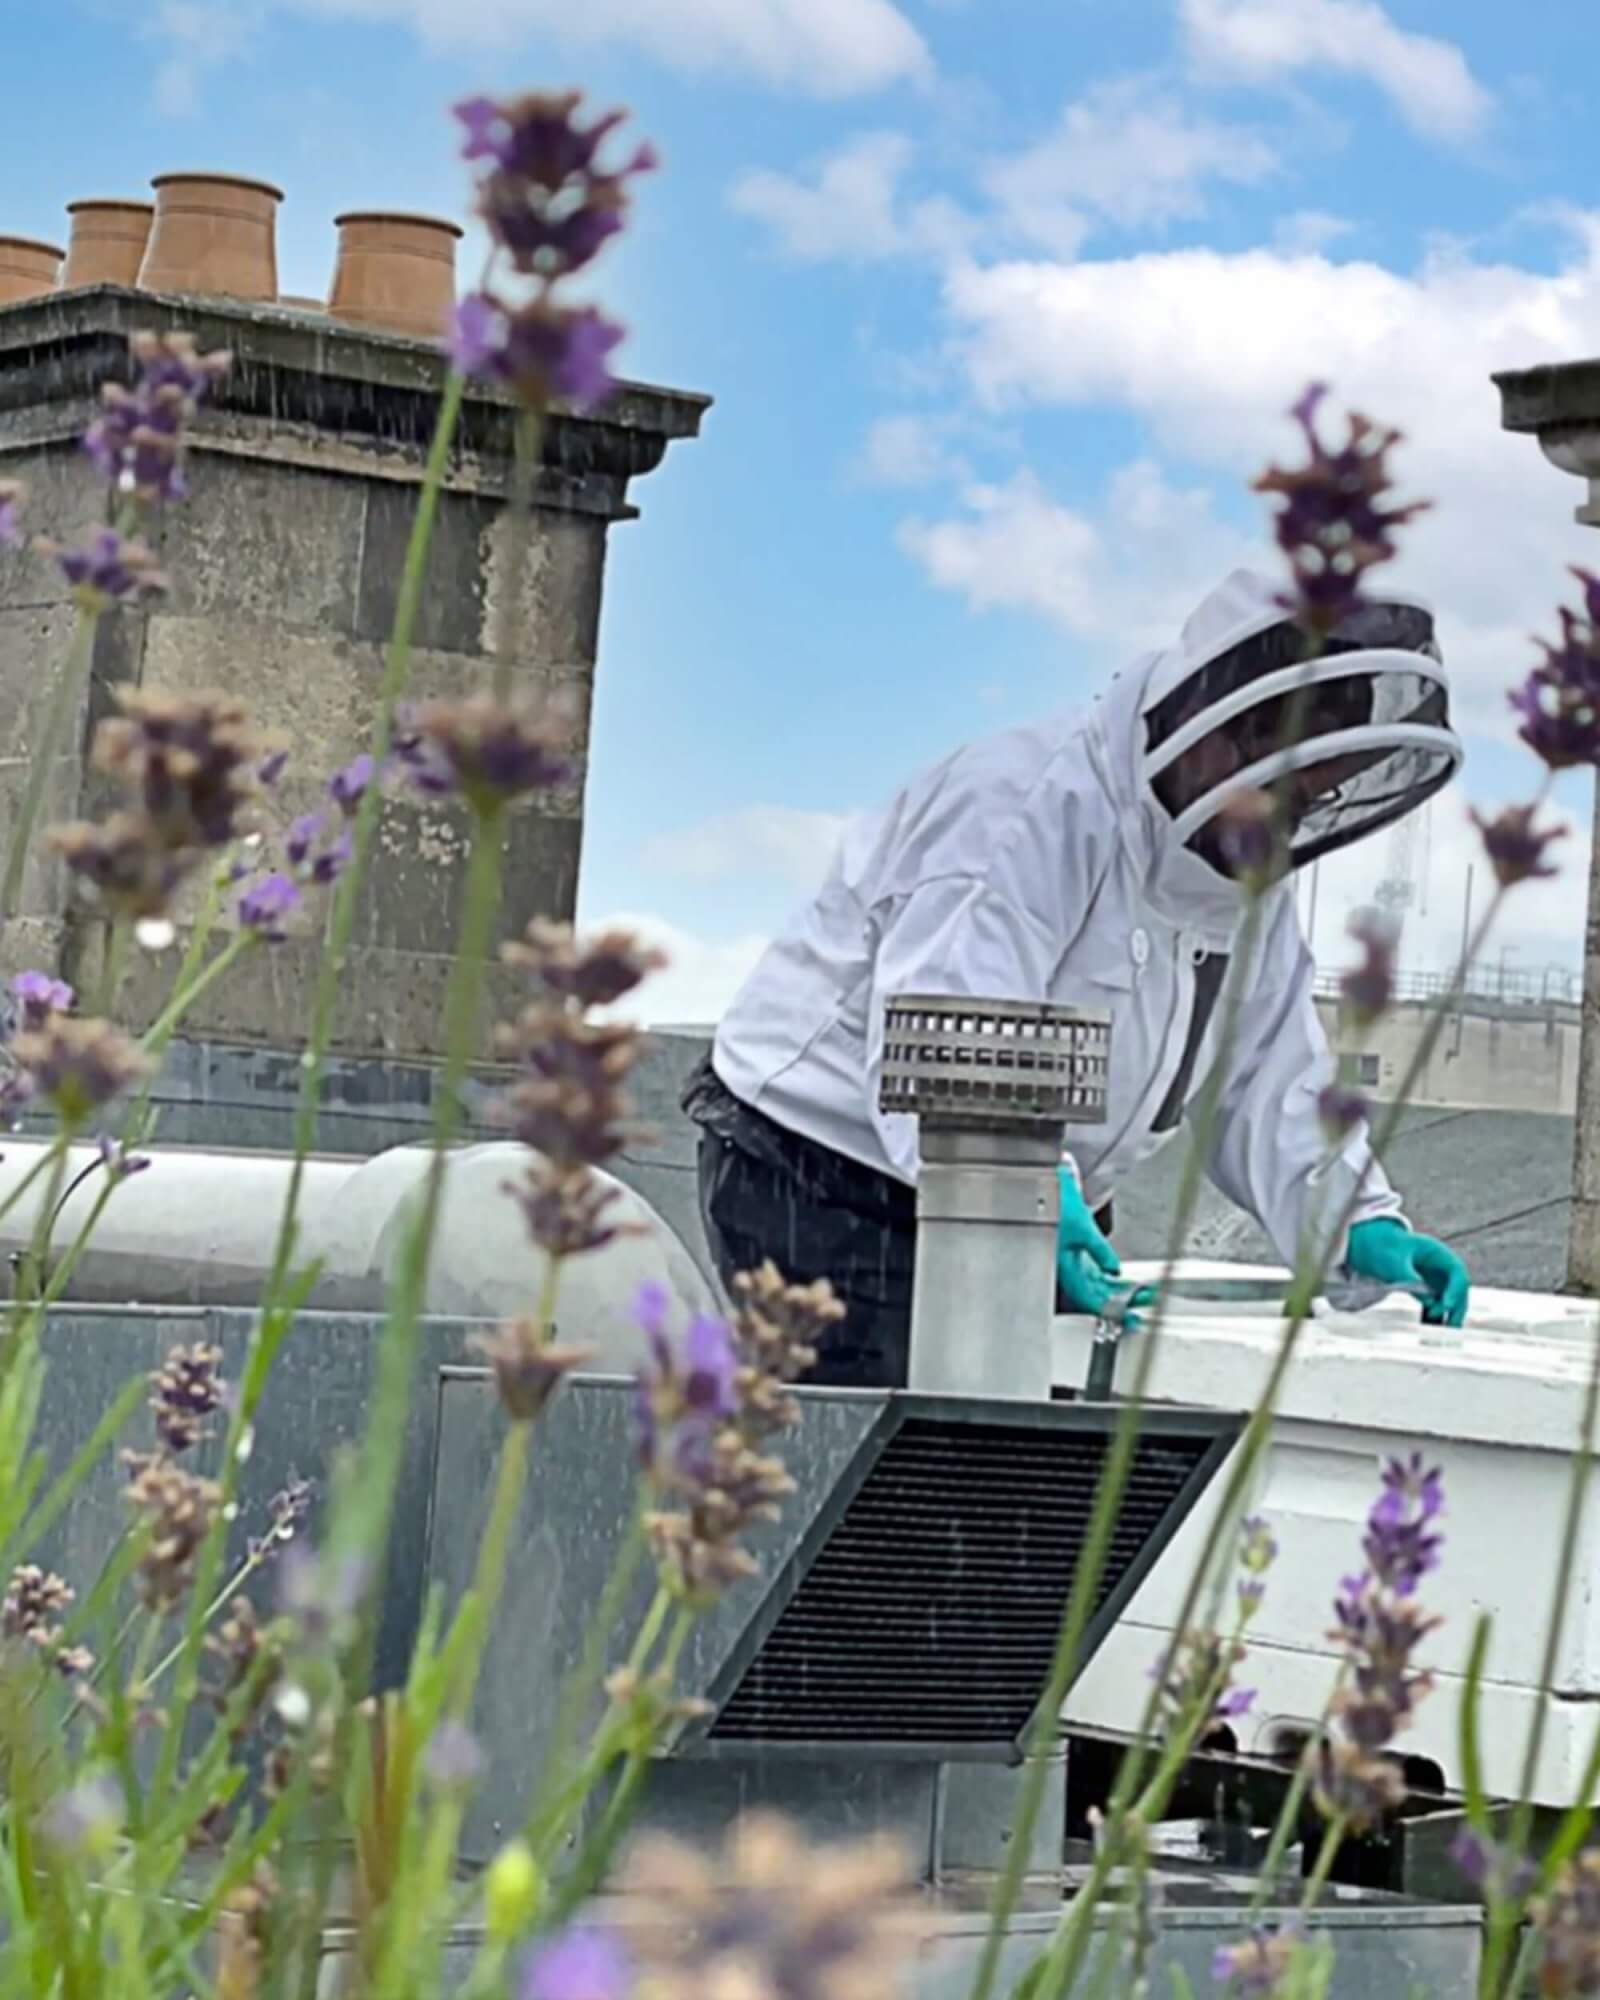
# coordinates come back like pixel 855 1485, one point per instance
pixel 993 1085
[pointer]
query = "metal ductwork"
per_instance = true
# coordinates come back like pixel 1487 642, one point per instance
pixel 905 1611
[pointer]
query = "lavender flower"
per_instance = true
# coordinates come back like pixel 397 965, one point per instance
pixel 703 1411
pixel 187 1389
pixel 541 351
pixel 1258 1551
pixel 597 972
pixel 39 996
pixel 529 1367
pixel 1515 846
pixel 1194 1679
pixel 578 1964
pixel 1333 526
pixel 319 1594
pixel 347 787
pixel 489 751
pixel 544 197
pixel 569 1103
pixel 271 768
pixel 314 857
pixel 137 440
pixel 265 904
pixel 1251 840
pixel 286 1510
pixel 1258 1967
pixel 34 1604
pixel 124 866
pixel 1559 703
pixel 1367 990
pixel 1342 1112
pixel 176 1510
pixel 1499 1873
pixel 567 1209
pixel 1379 1627
pixel 80 1066
pixel 1568 1923
pixel 13 495
pixel 193 762
pixel 110 569
pixel 454 1758
pixel 770 1917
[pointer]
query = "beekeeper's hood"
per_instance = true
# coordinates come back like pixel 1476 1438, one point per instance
pixel 1368 715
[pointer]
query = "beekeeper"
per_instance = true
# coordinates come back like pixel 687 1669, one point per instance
pixel 1082 861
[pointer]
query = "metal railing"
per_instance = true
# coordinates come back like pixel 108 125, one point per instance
pixel 1554 985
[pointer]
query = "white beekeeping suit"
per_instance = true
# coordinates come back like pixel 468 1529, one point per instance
pixel 1042 864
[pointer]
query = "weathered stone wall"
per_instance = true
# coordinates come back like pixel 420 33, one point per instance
pixel 285 566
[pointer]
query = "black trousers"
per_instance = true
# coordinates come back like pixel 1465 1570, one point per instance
pixel 765 1192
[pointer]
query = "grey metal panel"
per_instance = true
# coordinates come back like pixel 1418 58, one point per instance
pixel 1381 1954
pixel 572 1527
pixel 316 1403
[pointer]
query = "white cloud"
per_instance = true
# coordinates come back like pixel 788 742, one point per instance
pixel 1427 78
pixel 1126 154
pixel 701 976
pixel 851 205
pixel 791 843
pixel 198 35
pixel 827 48
pixel 1123 579
pixel 1309 231
pixel 849 210
pixel 1209 349
pixel 907 450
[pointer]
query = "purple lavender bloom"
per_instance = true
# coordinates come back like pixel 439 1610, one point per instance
pixel 39 996
pixel 1369 987
pixel 271 768
pixel 1342 1111
pixel 454 1757
pixel 137 439
pixel 347 787
pixel 119 1163
pixel 12 495
pixel 1401 1544
pixel 301 838
pixel 263 907
pixel 1560 701
pixel 545 197
pixel 541 351
pixel 477 340
pixel 1332 525
pixel 483 126
pixel 578 1964
pixel 1515 846
pixel 112 569
pixel 1496 1871
pixel 682 1399
pixel 321 1595
pixel 1236 1702
pixel 1256 1968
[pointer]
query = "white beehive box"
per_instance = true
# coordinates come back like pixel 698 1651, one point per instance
pixel 1498 1406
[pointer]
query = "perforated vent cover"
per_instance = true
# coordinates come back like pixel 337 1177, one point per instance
pixel 929 1614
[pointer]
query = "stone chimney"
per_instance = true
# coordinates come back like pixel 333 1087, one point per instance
pixel 285 563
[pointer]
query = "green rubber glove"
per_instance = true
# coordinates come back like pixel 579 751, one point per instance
pixel 1087 1268
pixel 1389 1253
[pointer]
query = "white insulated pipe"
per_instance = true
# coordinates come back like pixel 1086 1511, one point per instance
pixel 199 1227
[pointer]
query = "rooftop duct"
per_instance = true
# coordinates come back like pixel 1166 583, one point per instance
pixel 994 1085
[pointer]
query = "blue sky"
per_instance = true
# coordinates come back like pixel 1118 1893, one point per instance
pixel 1001 303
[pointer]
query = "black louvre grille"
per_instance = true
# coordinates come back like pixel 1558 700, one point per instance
pixel 931 1612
